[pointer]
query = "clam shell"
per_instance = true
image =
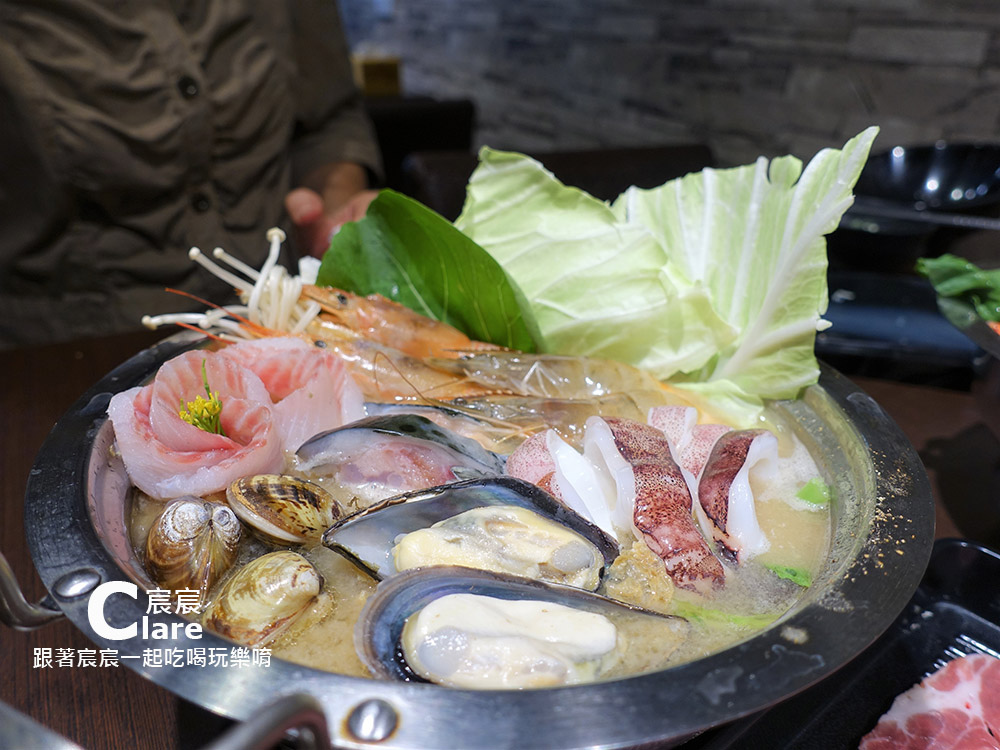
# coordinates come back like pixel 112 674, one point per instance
pixel 281 508
pixel 263 598
pixel 191 544
pixel 315 451
pixel 368 537
pixel 378 634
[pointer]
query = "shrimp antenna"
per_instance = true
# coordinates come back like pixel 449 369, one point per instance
pixel 202 331
pixel 255 328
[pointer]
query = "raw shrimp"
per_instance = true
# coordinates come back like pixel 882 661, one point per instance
pixel 387 374
pixel 549 375
pixel 379 319
pixel 395 353
pixel 503 421
pixel 567 415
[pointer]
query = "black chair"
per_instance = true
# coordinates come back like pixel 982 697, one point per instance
pixel 406 124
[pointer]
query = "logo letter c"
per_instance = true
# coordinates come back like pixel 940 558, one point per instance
pixel 95 610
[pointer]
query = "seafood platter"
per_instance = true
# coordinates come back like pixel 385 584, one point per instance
pixel 455 541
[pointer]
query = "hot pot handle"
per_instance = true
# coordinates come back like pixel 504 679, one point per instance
pixel 15 610
pixel 299 712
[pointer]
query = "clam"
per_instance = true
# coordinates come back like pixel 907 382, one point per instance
pixel 191 544
pixel 467 628
pixel 498 523
pixel 283 509
pixel 263 598
pixel 382 456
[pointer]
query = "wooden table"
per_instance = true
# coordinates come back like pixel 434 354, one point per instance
pixel 95 707
pixel 115 708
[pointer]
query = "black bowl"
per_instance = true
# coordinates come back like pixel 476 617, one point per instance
pixel 948 177
pixel 943 176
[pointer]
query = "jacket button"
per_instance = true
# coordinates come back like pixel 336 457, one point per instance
pixel 200 202
pixel 188 87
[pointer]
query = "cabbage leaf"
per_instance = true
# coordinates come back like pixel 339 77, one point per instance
pixel 715 280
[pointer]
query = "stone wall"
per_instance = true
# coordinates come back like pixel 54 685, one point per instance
pixel 749 77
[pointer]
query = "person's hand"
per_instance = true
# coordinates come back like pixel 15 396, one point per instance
pixel 330 196
pixel 315 223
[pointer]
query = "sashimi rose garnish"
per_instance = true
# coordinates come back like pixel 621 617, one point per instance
pixel 262 412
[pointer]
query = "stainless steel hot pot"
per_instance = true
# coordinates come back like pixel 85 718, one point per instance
pixel 883 515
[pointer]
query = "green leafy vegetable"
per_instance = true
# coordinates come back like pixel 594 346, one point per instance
pixel 408 253
pixel 706 616
pixel 957 278
pixel 797 576
pixel 716 280
pixel 815 492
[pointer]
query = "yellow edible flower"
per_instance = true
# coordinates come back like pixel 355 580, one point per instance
pixel 204 413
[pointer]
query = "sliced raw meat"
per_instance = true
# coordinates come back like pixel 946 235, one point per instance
pixel 956 708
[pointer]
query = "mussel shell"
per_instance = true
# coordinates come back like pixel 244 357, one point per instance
pixel 368 536
pixel 507 539
pixel 497 436
pixel 191 544
pixel 263 598
pixel 320 450
pixel 378 632
pixel 281 508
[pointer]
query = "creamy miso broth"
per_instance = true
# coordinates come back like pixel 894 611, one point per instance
pixel 753 597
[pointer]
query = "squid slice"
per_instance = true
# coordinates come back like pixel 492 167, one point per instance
pixel 582 485
pixel 676 422
pixel 725 497
pixel 662 513
pixel 691 443
pixel 626 482
pixel 548 461
pixel 617 474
